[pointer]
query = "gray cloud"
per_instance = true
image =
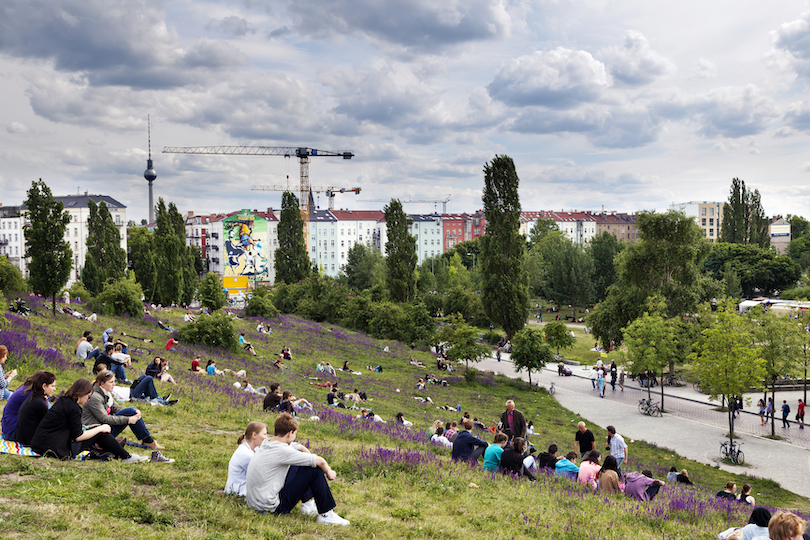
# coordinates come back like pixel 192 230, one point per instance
pixel 114 42
pixel 231 25
pixel 794 38
pixel 559 79
pixel 280 32
pixel 634 63
pixel 408 25
pixel 798 116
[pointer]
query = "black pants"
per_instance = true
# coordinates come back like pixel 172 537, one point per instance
pixel 785 422
pixel 302 484
pixel 107 443
pixel 652 491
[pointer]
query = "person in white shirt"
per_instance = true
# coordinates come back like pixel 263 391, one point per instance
pixel 282 472
pixel 439 438
pixel 254 435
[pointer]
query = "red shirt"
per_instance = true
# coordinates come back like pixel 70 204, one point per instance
pixel 170 344
pixel 801 407
pixel 195 365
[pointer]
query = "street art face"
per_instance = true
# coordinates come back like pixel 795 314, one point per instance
pixel 246 253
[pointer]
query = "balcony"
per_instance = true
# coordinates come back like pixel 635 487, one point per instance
pixel 3 242
pixel 214 235
pixel 215 260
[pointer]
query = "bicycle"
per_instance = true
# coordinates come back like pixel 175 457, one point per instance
pixel 732 451
pixel 696 387
pixel 674 380
pixel 551 389
pixel 140 350
pixel 646 406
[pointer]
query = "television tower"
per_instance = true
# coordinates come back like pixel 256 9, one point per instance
pixel 150 173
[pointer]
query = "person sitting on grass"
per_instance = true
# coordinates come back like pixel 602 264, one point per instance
pixel 642 486
pixel 728 491
pixel 548 460
pixel 277 364
pixel 171 343
pixel 512 459
pixel 35 406
pixel 420 384
pixel 212 370
pixel 143 389
pixel 346 366
pixel 246 345
pixel 683 478
pixel 283 472
pixel 400 419
pixel 62 426
pixel 438 438
pixel 589 468
pixel 254 435
pixel 785 526
pixel 745 495
pixel 567 466
pixel 158 369
pixel 450 430
pixel 757 523
pixel 300 404
pixel 608 476
pixel 188 317
pixel 260 328
pixel 12 408
pixel 101 408
pixel 467 446
pixel 273 398
pixel 493 453
pixel 286 354
pixel 195 365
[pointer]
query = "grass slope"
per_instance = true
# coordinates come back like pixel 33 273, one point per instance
pixel 390 483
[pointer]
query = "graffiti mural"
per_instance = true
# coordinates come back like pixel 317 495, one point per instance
pixel 245 245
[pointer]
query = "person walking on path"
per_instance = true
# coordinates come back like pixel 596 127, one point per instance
pixel 600 383
pixel 618 448
pixel 800 414
pixel 621 381
pixel 513 423
pixel 769 409
pixel 762 410
pixel 785 413
pixel 584 440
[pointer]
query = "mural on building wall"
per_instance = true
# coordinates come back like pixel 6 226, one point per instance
pixel 247 255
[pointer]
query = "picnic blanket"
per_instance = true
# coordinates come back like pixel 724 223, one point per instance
pixel 15 448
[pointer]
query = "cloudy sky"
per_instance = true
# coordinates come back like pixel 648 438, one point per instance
pixel 622 105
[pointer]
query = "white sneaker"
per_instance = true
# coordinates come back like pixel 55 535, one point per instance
pixel 331 518
pixel 135 458
pixel 309 508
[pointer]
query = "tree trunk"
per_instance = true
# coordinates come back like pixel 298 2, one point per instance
pixel 773 411
pixel 53 305
pixel 730 425
pixel 662 389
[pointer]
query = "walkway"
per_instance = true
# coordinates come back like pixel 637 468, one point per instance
pixel 691 427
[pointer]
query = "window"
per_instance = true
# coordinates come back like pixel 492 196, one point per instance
pixel 703 211
pixel 341 232
pixel 341 255
pixel 711 232
pixel 332 256
pixel 425 241
pixel 16 238
pixel 333 243
pixel 341 243
pixel 75 231
pixel 703 222
pixel 711 211
pixel 711 221
pixel 333 267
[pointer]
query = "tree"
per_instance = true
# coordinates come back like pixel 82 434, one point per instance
pixel 744 220
pixel 400 253
pixel 758 268
pixel 119 297
pixel 104 251
pixel 142 259
pixel 505 291
pixel 558 335
pixel 529 351
pixel 461 340
pixel 541 229
pixel 11 279
pixel 602 251
pixel 291 258
pixel 666 261
pixel 216 330
pixel 45 245
pixel 176 278
pixel 731 282
pixel 360 263
pixel 211 292
pixel 569 274
pixel 726 359
pixel 798 226
pixel 803 346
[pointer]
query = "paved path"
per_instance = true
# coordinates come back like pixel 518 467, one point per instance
pixel 691 427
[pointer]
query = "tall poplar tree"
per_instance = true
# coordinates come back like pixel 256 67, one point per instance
pixel 176 276
pixel 291 258
pixel 105 258
pixel 505 291
pixel 400 253
pixel 45 243
pixel 142 259
pixel 744 220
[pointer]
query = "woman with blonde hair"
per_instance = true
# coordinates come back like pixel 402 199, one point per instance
pixel 252 438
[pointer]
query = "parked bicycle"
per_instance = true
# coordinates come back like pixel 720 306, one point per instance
pixel 138 350
pixel 731 450
pixel 646 406
pixel 551 389
pixel 697 388
pixel 674 380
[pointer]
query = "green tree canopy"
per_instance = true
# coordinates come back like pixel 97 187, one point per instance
pixel 744 220
pixel 558 335
pixel 11 279
pixel 757 268
pixel 530 351
pixel 360 263
pixel 505 290
pixel 603 250
pixel 211 292
pixel 461 340
pixel 142 259
pixel 400 253
pixel 49 253
pixel 118 297
pixel 291 257
pixel 104 252
pixel 541 229
pixel 569 274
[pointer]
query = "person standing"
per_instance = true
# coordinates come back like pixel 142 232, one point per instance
pixel 800 414
pixel 584 440
pixel 513 423
pixel 600 383
pixel 618 448
pixel 769 409
pixel 785 413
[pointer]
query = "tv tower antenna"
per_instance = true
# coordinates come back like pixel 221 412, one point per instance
pixel 150 173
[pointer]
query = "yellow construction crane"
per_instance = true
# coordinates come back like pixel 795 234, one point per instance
pixel 416 201
pixel 302 153
pixel 330 191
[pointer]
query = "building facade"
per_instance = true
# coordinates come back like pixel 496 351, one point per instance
pixel 707 214
pixel 12 240
pixel 780 233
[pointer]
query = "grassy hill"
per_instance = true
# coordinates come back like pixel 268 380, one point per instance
pixel 391 484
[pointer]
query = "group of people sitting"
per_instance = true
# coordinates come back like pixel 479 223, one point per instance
pixel 278 401
pixel 764 526
pixel 86 417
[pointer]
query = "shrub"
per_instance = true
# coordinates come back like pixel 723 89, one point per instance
pixel 78 290
pixel 215 330
pixel 119 297
pixel 211 293
pixel 261 306
pixel 10 277
pixel 492 337
pixel 796 293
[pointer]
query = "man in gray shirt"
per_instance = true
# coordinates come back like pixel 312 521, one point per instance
pixel 283 472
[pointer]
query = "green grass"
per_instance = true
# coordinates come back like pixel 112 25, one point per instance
pixel 389 485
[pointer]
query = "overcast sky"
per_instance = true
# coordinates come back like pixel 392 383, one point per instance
pixel 621 105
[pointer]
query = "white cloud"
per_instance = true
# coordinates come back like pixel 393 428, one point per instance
pixel 558 79
pixel 635 63
pixel 17 128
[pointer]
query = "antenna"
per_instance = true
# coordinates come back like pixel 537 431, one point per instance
pixel 150 174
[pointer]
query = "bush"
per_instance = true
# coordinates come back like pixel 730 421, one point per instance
pixel 78 290
pixel 796 293
pixel 215 330
pixel 261 306
pixel 492 337
pixel 11 280
pixel 211 293
pixel 119 297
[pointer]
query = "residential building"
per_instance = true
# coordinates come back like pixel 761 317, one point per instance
pixel 323 241
pixel 622 226
pixel 242 245
pixel 779 229
pixel 707 214
pixel 427 229
pixel 354 226
pixel 12 240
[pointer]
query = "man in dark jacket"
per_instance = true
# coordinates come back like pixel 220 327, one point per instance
pixel 548 459
pixel 466 445
pixel 513 423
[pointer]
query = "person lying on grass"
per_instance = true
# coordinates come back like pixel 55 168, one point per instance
pixel 254 435
pixel 101 408
pixel 283 472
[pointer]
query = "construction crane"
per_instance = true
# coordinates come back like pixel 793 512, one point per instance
pixel 417 201
pixel 330 191
pixel 302 153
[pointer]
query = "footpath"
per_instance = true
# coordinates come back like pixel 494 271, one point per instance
pixel 691 427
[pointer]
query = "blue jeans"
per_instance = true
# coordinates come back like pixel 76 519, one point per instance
pixel 118 369
pixel 138 428
pixel 619 461
pixel 144 389
pixel 95 353
pixel 5 393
